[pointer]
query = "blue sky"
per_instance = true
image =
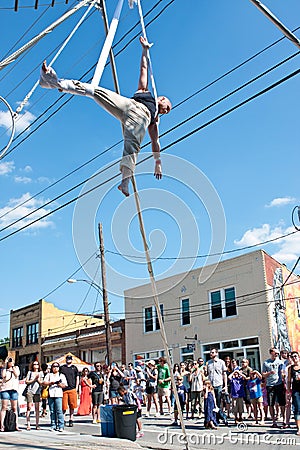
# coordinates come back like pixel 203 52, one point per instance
pixel 232 184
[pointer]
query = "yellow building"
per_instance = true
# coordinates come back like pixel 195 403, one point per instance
pixel 31 324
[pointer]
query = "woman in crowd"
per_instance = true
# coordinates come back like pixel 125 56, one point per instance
pixel 196 379
pixel 293 387
pixel 33 382
pixel 85 387
pixel 185 374
pixel 151 386
pixel 114 377
pixel 44 371
pixel 9 390
pixel 176 373
pixel 56 382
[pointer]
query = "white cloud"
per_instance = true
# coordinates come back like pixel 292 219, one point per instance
pixel 17 208
pixel 287 249
pixel 27 169
pixel 280 201
pixel 6 167
pixel 24 180
pixel 22 122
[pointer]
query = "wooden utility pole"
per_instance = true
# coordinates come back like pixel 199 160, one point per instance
pixel 105 300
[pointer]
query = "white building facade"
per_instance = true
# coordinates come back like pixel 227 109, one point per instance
pixel 240 309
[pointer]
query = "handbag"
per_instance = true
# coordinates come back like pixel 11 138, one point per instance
pixel 24 393
pixel 45 392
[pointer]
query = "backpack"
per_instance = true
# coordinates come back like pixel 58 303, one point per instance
pixel 10 421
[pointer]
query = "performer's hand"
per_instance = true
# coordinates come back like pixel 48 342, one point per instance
pixel 158 170
pixel 145 44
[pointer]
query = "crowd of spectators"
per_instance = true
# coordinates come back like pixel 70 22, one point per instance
pixel 218 391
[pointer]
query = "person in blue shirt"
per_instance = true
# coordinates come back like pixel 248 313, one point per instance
pixel 256 396
pixel 237 393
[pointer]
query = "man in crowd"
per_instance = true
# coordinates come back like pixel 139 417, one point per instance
pixel 273 370
pixel 70 391
pixel 97 379
pixel 163 383
pixel 216 373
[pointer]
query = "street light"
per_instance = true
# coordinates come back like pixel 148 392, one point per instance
pixel 106 316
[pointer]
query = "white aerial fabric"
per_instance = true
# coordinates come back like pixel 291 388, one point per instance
pixel 107 45
pixel 148 53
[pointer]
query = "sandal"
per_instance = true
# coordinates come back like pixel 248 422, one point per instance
pixel 28 427
pixel 37 427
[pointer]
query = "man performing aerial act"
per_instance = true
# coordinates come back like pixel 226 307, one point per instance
pixel 136 114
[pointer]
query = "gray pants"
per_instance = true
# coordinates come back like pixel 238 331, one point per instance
pixel 134 116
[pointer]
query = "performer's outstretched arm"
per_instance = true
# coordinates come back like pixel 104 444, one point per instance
pixel 143 79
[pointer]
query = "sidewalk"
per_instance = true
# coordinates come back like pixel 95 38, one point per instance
pixel 44 440
pixel 83 436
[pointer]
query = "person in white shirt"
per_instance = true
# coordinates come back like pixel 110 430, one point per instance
pixel 9 390
pixel 56 382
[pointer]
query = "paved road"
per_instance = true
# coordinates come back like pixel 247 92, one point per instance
pixel 159 434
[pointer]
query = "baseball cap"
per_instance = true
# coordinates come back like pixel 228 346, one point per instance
pixel 152 362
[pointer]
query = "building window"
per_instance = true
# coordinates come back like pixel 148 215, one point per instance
pixel 185 311
pixel 151 322
pixel 223 303
pixel 32 333
pixel 17 335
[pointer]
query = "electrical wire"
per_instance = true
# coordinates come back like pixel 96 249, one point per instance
pixel 187 135
pixel 168 131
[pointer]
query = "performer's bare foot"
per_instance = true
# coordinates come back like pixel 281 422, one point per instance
pixel 123 189
pixel 44 67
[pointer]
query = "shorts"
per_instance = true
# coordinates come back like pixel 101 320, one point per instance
pixel 69 399
pixel 97 398
pixel 181 406
pixel 256 401
pixel 163 392
pixel 33 398
pixel 238 405
pixel 113 394
pixel 276 393
pixel 9 395
pixel 151 390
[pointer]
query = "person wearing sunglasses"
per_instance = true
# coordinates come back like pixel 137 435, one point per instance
pixel 293 387
pixel 56 382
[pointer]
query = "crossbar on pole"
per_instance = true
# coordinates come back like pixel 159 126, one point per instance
pixel 158 311
pixel 107 45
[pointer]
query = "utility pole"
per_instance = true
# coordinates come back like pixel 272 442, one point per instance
pixel 105 301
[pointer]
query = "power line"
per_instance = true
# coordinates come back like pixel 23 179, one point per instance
pixel 168 131
pixel 187 135
pixel 247 247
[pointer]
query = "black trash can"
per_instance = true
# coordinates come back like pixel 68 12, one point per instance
pixel 125 421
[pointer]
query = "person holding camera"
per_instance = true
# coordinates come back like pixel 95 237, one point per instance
pixel 56 382
pixel 33 392
pixel 9 390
